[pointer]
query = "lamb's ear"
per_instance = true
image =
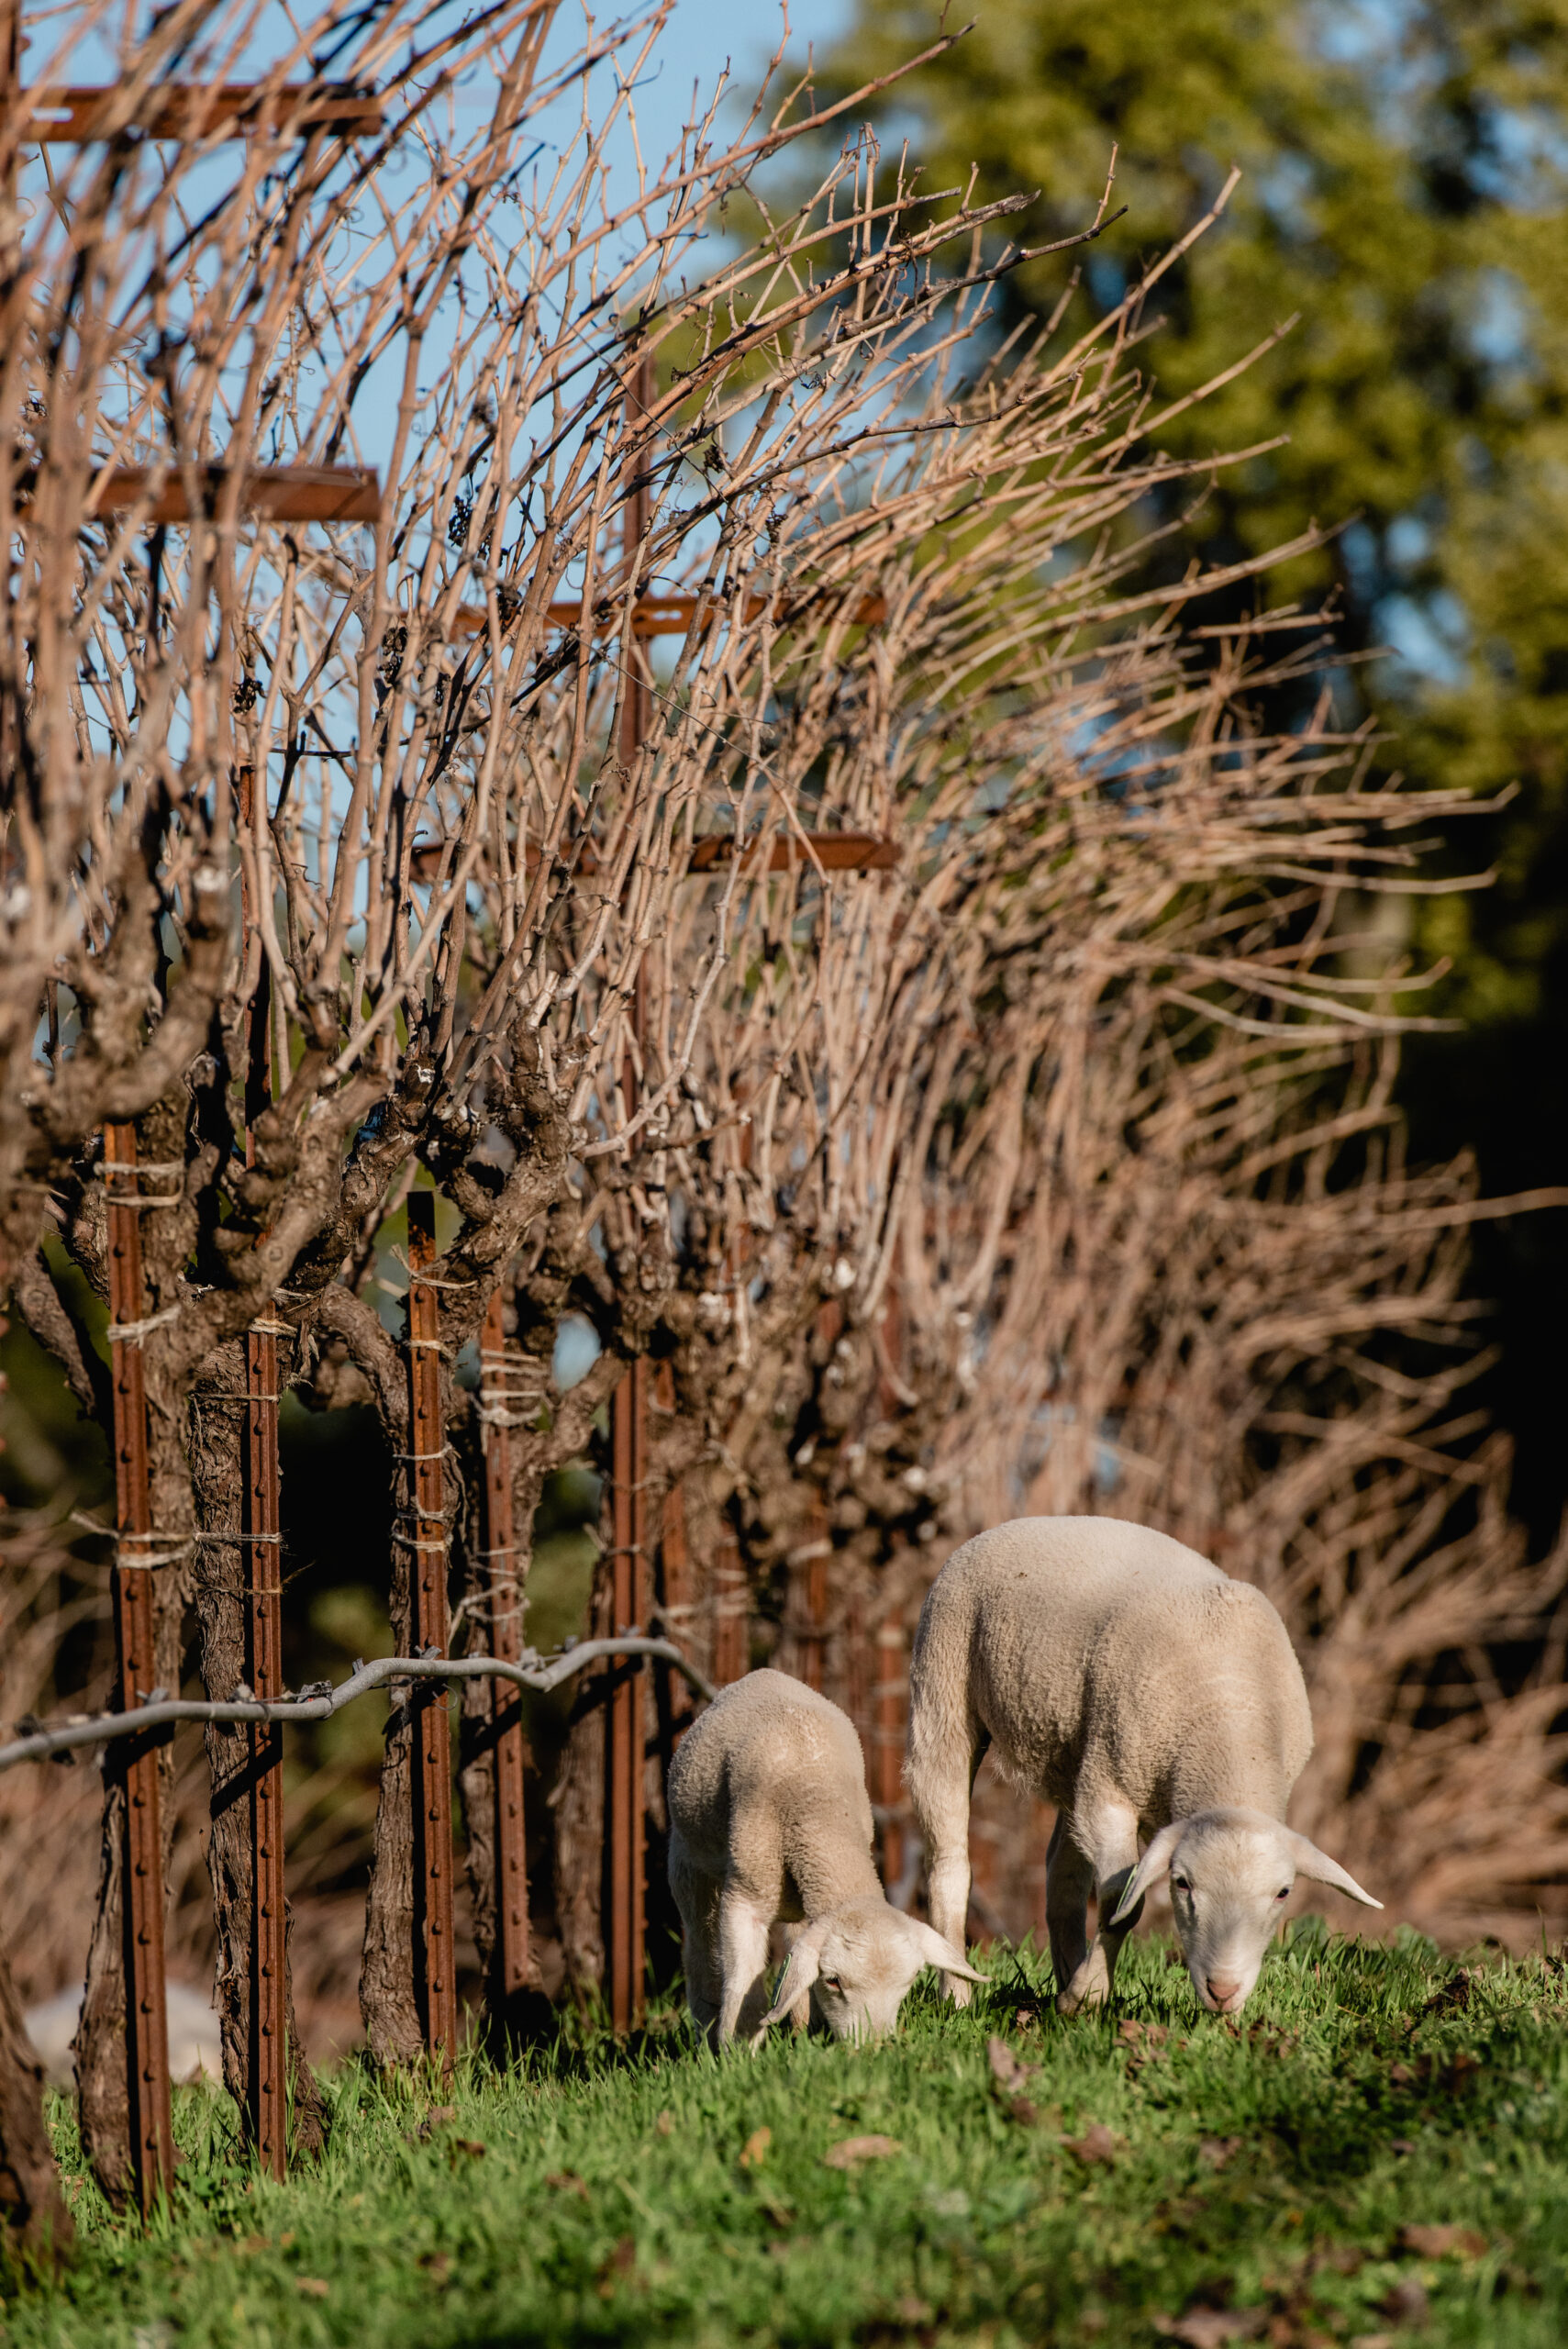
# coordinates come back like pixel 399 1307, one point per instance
pixel 934 1951
pixel 1154 1863
pixel 1317 1865
pixel 802 1966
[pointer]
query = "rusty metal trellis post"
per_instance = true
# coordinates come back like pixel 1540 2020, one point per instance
pixel 624 1734
pixel 267 2050
pixel 267 2088
pixel 497 1396
pixel 889 1698
pixel 809 1563
pixel 147 2017
pixel 435 1969
pixel 673 1591
pixel 731 1610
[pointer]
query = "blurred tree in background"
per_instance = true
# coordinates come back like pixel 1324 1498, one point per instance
pixel 1403 194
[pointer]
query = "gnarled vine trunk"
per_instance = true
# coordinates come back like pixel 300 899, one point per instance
pixel 32 2210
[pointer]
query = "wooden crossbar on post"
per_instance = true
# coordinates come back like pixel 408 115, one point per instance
pixel 784 852
pixel 266 2086
pixel 435 1966
pixel 77 115
pixel 147 2013
pixel 497 1396
pixel 670 614
pixel 276 493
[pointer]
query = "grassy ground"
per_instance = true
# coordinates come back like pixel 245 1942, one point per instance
pixel 1156 2173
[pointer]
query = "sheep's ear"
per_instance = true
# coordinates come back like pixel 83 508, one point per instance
pixel 934 1951
pixel 1155 1863
pixel 802 1966
pixel 1320 1869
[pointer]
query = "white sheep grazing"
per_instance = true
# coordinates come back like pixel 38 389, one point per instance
pixel 769 1819
pixel 1130 1683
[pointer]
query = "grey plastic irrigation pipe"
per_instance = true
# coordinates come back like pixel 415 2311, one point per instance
pixel 532 1672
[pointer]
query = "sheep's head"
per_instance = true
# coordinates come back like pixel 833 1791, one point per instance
pixel 857 1963
pixel 1231 1873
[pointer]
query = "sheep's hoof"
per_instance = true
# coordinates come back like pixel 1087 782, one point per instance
pixel 1081 1993
pixel 958 1991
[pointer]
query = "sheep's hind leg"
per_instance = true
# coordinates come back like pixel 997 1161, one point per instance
pixel 743 1956
pixel 1069 1880
pixel 1113 1834
pixel 940 1797
pixel 696 1897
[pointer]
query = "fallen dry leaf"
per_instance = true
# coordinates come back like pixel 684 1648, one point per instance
pixel 1407 2303
pixel 665 2123
pixel 851 2150
pixel 618 2266
pixel 1267 2040
pixel 471 2146
pixel 312 2285
pixel 1096 2144
pixel 1141 2035
pixel 566 2181
pixel 1006 2068
pixel 1372 2341
pixel 1218 2151
pixel 1437 2242
pixel 1454 1996
pixel 754 2151
pixel 435 2264
pixel 1211 2328
pixel 909 2310
pixel 1460 2075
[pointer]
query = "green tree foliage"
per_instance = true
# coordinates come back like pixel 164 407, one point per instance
pixel 1405 197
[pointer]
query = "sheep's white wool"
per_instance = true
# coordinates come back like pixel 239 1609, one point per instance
pixel 195 2044
pixel 1134 1686
pixel 770 1820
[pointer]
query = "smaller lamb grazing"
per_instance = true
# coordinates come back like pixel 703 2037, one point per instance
pixel 769 1819
pixel 1130 1683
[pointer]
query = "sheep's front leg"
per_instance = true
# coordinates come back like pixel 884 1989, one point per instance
pixel 1112 1837
pixel 743 1960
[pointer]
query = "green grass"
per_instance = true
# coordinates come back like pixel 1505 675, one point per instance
pixel 595 2194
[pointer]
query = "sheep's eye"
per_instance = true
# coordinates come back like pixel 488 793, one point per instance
pixel 1181 1883
pixel 1284 1892
pixel 831 1982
